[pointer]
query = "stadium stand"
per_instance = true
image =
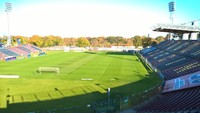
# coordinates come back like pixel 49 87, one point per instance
pixel 179 64
pixel 146 50
pixel 8 52
pixel 30 48
pixel 2 56
pixel 24 49
pixel 19 51
pixel 183 69
pixel 177 57
pixel 37 48
pixel 187 100
pixel 12 53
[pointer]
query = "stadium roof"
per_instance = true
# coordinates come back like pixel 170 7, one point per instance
pixel 176 28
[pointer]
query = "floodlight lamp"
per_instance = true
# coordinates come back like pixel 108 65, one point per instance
pixel 8 7
pixel 171 6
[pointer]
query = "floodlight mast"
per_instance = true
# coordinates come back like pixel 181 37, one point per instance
pixel 8 9
pixel 172 10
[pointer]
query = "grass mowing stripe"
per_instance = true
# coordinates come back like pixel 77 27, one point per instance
pixel 76 65
pixel 121 72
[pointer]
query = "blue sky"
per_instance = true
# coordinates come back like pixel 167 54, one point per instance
pixel 75 18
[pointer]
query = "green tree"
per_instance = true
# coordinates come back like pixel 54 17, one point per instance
pixel 116 40
pixel 146 41
pixel 137 41
pixel 112 40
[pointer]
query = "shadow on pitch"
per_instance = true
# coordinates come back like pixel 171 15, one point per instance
pixel 60 100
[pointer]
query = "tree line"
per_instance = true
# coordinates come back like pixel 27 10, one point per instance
pixel 48 41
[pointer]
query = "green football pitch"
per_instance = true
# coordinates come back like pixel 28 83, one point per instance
pixel 83 78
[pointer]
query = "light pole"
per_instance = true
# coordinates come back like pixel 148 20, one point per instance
pixel 171 10
pixel 8 9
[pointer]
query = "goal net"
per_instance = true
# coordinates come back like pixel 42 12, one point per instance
pixel 48 69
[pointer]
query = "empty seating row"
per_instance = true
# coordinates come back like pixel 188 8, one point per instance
pixel 30 48
pixel 177 101
pixel 180 70
pixel 173 55
pixel 175 59
pixel 172 63
pixel 22 50
pixel 37 48
pixel 8 52
pixel 19 51
pixel 146 50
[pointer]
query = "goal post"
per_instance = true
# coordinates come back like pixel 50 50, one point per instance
pixel 48 69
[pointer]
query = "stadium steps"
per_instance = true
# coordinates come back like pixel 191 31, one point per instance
pixel 40 50
pixel 24 49
pixel 182 59
pixel 184 100
pixel 30 48
pixel 8 52
pixel 17 50
pixel 183 69
pixel 2 56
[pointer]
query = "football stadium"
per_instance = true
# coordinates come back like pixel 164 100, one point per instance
pixel 39 77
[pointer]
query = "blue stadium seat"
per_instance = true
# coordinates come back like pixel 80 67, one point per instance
pixel 175 59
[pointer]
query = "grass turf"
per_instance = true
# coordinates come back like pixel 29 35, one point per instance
pixel 121 72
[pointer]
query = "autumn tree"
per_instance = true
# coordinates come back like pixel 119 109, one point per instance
pixel 3 40
pixel 154 43
pixel 160 39
pixel 57 41
pixel 129 42
pixel 36 40
pixel 49 41
pixel 83 42
pixel 101 41
pixel 94 42
pixel 70 41
pixel 21 39
pixel 146 41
